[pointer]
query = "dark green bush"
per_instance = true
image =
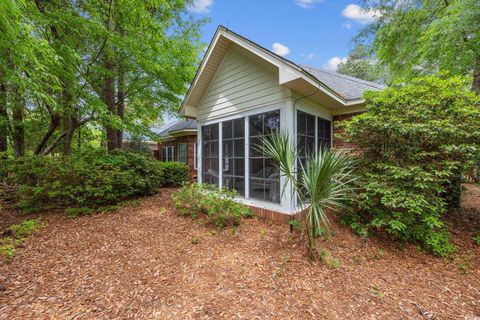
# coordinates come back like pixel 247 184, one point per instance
pixel 416 142
pixel 174 173
pixel 91 179
pixel 217 205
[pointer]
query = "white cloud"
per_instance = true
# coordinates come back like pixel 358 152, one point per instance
pixel 347 25
pixel 333 63
pixel 201 6
pixel 280 49
pixel 310 56
pixel 306 4
pixel 357 13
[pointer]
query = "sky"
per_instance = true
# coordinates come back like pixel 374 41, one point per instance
pixel 317 33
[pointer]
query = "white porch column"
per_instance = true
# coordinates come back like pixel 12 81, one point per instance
pixel 247 158
pixel 199 153
pixel 287 118
pixel 220 155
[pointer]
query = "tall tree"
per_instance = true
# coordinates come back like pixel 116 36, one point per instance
pixel 361 65
pixel 418 37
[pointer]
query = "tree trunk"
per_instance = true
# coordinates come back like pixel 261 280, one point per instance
pixel 476 77
pixel 3 118
pixel 109 99
pixel 54 123
pixel 18 129
pixel 72 123
pixel 121 102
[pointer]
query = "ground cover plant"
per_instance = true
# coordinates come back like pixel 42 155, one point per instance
pixel 416 141
pixel 217 205
pixel 16 234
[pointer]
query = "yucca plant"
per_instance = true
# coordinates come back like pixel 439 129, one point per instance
pixel 322 183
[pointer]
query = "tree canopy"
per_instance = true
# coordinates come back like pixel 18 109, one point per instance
pixel 70 68
pixel 420 37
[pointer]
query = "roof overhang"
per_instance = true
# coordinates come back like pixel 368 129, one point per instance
pixel 291 75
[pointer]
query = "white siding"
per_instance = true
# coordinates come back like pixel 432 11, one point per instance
pixel 241 83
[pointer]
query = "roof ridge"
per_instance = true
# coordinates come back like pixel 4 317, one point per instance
pixel 344 76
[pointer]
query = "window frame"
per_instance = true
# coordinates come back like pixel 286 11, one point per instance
pixel 180 155
pixel 168 154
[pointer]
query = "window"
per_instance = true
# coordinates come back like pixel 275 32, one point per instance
pixel 168 154
pixel 264 174
pixel 233 155
pixel 305 136
pixel 324 133
pixel 210 154
pixel 182 152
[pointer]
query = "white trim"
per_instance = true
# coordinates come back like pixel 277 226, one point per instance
pixel 195 167
pixel 288 71
pixel 199 150
pixel 247 157
pixel 220 155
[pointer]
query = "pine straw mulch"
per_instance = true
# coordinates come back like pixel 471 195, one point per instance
pixel 142 262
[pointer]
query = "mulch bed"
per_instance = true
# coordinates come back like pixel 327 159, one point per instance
pixel 144 262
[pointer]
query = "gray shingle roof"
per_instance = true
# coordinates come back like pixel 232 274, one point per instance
pixel 349 88
pixel 179 125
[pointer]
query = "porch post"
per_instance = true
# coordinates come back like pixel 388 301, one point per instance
pixel 247 158
pixel 220 155
pixel 287 118
pixel 199 154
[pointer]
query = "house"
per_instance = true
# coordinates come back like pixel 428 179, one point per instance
pixel 242 93
pixel 178 142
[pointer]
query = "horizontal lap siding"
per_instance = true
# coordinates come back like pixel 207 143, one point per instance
pixel 240 84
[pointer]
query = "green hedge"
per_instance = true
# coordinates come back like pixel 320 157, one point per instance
pixel 91 179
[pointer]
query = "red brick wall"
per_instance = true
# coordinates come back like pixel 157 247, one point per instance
pixel 338 142
pixel 190 141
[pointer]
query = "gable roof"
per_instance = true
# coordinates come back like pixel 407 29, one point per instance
pixel 331 88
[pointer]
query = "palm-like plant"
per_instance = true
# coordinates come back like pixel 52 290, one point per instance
pixel 322 183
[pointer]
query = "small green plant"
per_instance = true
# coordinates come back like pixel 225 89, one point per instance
pixel 195 240
pixel 234 230
pixel 295 225
pixel 463 265
pixel 25 228
pixel 217 206
pixel 376 292
pixel 476 238
pixel 326 257
pixel 76 212
pixel 357 260
pixel 19 233
pixel 263 233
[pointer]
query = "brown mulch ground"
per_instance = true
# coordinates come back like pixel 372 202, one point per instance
pixel 140 262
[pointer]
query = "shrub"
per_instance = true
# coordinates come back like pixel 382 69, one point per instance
pixel 416 141
pixel 174 173
pixel 217 205
pixel 19 232
pixel 91 179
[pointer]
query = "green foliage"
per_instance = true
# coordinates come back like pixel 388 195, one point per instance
pixel 218 206
pixel 360 65
pixel 416 140
pixel 138 145
pixel 413 38
pixel 322 183
pixel 19 232
pixel 476 238
pixel 25 228
pixel 81 211
pixel 175 173
pixel 89 180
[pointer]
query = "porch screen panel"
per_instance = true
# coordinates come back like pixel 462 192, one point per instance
pixel 233 158
pixel 305 136
pixel 210 154
pixel 324 133
pixel 264 174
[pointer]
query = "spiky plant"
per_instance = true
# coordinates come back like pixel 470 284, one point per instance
pixel 322 183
